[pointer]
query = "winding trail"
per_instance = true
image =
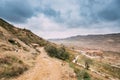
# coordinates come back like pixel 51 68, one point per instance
pixel 47 68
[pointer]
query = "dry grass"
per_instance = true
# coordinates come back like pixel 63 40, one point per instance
pixel 11 66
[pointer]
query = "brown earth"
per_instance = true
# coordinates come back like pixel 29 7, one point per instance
pixel 25 46
pixel 47 68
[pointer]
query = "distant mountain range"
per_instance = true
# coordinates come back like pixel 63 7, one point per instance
pixel 109 42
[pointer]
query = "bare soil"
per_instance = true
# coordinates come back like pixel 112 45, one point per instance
pixel 47 68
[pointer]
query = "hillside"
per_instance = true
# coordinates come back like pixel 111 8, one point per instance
pixel 107 42
pixel 22 57
pixel 23 34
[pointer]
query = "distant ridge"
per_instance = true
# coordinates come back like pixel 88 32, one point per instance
pixel 109 42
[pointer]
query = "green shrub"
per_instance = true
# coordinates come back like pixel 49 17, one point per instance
pixel 60 53
pixel 86 76
pixel 82 74
pixel 51 50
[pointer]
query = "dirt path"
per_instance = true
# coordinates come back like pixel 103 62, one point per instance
pixel 47 68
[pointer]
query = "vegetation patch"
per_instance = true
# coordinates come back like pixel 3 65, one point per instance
pixel 112 70
pixel 11 66
pixel 60 52
pixel 82 74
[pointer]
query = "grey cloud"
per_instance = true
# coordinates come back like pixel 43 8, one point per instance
pixel 111 12
pixel 19 11
pixel 81 15
pixel 97 11
pixel 16 10
pixel 86 13
pixel 50 12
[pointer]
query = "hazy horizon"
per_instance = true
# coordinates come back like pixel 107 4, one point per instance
pixel 63 18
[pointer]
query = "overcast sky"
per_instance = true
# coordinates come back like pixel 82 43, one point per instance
pixel 63 18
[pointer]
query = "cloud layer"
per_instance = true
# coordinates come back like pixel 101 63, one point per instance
pixel 48 18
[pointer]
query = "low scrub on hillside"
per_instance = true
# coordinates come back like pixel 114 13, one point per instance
pixel 112 70
pixel 60 53
pixel 11 66
pixel 82 74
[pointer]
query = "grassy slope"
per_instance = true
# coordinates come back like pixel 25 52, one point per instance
pixel 17 53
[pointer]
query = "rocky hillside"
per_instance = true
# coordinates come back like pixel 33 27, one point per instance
pixel 109 42
pixel 8 31
pixel 17 49
pixel 22 57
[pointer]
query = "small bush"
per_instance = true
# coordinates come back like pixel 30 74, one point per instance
pixel 51 50
pixel 60 53
pixel 82 74
pixel 86 76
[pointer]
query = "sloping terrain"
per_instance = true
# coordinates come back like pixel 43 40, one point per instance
pixel 101 52
pixel 8 31
pixel 22 57
pixel 47 68
pixel 17 50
